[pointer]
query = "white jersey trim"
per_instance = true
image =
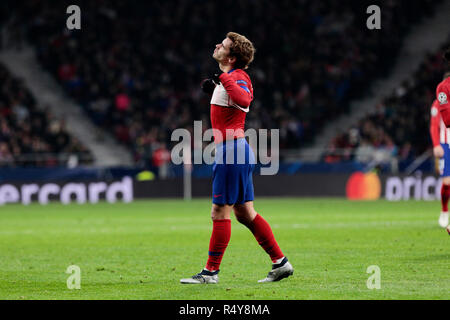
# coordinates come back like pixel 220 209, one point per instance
pixel 444 133
pixel 221 98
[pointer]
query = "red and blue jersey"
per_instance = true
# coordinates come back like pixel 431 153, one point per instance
pixel 443 96
pixel 230 103
pixel 440 135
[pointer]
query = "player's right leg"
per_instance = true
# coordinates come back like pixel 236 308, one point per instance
pixel 220 215
pixel 218 243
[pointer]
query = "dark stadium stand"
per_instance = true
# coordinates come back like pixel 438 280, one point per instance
pixel 30 136
pixel 400 124
pixel 136 70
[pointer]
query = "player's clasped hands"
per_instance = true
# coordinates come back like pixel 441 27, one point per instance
pixel 208 85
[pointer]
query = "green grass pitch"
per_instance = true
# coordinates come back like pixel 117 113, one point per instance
pixel 141 250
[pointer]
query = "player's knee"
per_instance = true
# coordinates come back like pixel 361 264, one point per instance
pixel 244 219
pixel 244 216
pixel 218 212
pixel 446 181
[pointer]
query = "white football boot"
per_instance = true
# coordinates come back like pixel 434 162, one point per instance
pixel 203 277
pixel 443 219
pixel 279 271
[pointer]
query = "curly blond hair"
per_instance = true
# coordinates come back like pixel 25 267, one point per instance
pixel 242 49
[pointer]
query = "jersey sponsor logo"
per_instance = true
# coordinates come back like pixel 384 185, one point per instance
pixel 434 111
pixel 442 97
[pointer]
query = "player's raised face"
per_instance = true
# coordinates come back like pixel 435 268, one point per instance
pixel 222 50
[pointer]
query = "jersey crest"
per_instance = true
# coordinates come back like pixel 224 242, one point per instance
pixel 442 97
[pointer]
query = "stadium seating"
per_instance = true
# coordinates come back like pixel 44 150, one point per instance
pixel 30 136
pixel 136 70
pixel 400 119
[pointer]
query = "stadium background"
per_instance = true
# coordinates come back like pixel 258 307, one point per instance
pixel 97 106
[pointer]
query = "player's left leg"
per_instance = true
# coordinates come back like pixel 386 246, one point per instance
pixel 281 267
pixel 445 195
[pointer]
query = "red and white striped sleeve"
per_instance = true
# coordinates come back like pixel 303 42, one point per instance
pixel 238 87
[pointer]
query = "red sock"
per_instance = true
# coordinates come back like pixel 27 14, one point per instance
pixel 445 195
pixel 264 235
pixel 218 243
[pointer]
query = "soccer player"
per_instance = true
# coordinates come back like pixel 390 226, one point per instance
pixel 442 96
pixel 443 93
pixel 440 136
pixel 232 93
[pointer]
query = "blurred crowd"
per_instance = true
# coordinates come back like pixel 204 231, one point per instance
pixel 30 136
pixel 136 66
pixel 399 126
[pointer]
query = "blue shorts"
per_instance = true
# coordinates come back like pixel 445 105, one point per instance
pixel 232 173
pixel 444 162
